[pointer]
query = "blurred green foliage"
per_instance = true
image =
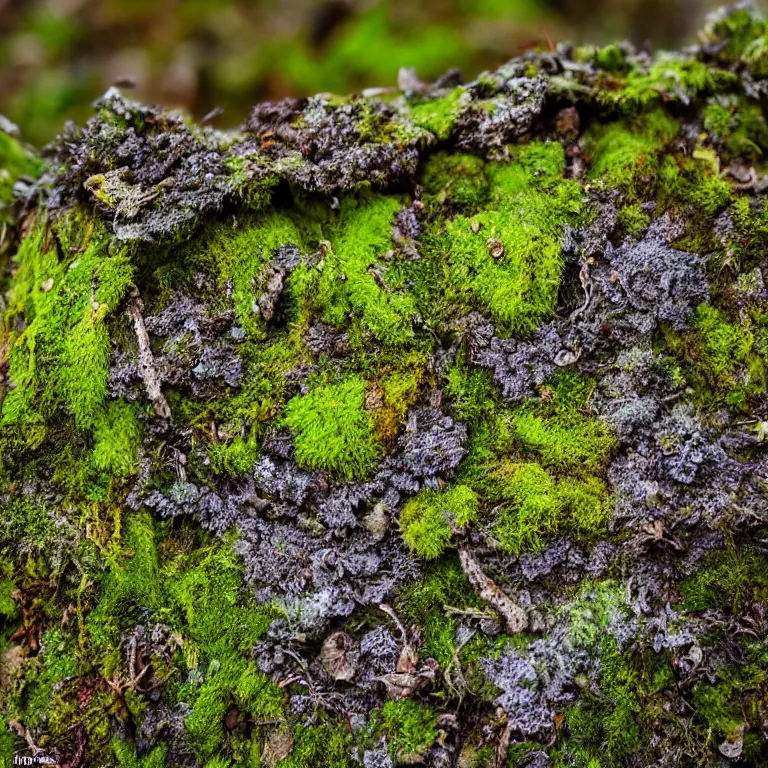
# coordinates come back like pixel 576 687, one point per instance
pixel 57 56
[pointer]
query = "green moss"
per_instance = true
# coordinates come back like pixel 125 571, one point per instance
pixel 717 705
pixel 596 606
pixel 734 33
pixel 428 519
pixel 239 455
pixel 234 683
pixel 238 256
pixel 458 179
pixel 626 154
pixel 726 345
pixel 410 725
pixel 333 431
pixel 631 220
pixel 605 730
pixel 471 392
pixel 438 116
pixel 507 259
pixel 737 125
pixel 354 279
pixel 126 756
pixel 117 436
pixel 326 745
pixel 61 357
pixel 670 78
pixel 725 580
pixel 15 161
pixel 443 583
pixel 564 443
pixel 533 505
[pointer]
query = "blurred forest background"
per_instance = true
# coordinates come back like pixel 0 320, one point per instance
pixel 57 56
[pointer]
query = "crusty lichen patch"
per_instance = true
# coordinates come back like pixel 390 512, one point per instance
pixel 424 428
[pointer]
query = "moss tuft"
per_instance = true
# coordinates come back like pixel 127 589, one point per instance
pixel 333 431
pixel 507 260
pixel 428 519
pixel 410 725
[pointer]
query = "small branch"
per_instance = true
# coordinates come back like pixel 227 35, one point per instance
pixel 502 748
pixel 147 367
pixel 513 613
pixel 26 735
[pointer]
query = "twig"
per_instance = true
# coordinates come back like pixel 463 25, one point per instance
pixel 513 613
pixel 26 735
pixel 502 748
pixel 147 367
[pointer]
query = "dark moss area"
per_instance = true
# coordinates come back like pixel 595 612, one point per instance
pixel 427 428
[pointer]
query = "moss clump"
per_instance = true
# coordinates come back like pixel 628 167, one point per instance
pixel 627 154
pixel 539 467
pixel 726 345
pixel 438 116
pixel 354 278
pixel 15 161
pixel 457 179
pixel 333 431
pixel 737 126
pixel 723 360
pixel 725 579
pixel 428 519
pixel 61 356
pixel 117 436
pixel 238 256
pixel 326 745
pixel 507 259
pixel 535 506
pixel 411 726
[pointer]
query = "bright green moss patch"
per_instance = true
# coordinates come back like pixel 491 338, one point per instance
pixel 238 255
pixel 472 393
pixel 537 469
pixel 116 435
pixel 459 179
pixel 328 744
pixel 333 431
pixel 726 345
pixel 507 259
pixel 626 154
pixel 410 725
pixel 15 161
pixel 693 182
pixel 438 116
pixel 564 444
pixel 669 77
pixel 61 356
pixel 239 455
pixel 354 274
pixel 428 519
pixel 724 361
pixel 235 683
pixel 536 506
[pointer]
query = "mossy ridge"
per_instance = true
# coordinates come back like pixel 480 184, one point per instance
pixel 61 357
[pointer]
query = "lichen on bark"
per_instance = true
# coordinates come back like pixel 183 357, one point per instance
pixel 421 427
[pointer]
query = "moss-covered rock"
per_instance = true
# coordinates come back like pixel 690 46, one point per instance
pixel 427 427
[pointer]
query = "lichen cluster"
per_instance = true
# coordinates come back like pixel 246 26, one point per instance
pixel 424 427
